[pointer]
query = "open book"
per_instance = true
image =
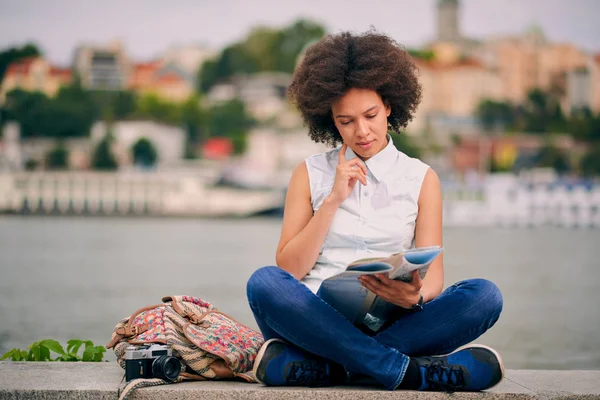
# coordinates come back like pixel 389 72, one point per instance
pixel 345 293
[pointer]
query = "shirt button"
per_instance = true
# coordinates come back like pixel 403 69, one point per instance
pixel 366 194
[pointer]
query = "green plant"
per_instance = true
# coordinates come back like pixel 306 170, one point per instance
pixel 42 351
pixel 58 157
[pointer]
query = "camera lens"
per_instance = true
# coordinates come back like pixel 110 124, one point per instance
pixel 166 367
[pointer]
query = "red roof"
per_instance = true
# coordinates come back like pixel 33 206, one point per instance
pixel 21 66
pixel 470 62
pixel 143 73
pixel 463 63
pixel 149 66
pixel 61 73
pixel 169 77
pixel 597 58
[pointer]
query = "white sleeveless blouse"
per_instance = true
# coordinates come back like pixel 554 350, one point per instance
pixel 375 220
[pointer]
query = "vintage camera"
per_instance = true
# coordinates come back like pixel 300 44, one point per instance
pixel 151 361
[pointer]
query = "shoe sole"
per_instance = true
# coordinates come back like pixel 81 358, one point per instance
pixel 259 357
pixel 482 346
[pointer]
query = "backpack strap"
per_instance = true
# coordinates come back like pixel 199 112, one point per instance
pixel 128 330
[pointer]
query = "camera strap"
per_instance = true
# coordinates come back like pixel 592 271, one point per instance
pixel 140 383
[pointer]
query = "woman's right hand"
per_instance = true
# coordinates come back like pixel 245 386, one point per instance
pixel 347 173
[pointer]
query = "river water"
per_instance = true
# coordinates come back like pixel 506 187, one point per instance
pixel 66 278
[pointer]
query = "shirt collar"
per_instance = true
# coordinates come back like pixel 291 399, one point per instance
pixel 381 162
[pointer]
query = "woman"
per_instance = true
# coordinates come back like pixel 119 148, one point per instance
pixel 365 199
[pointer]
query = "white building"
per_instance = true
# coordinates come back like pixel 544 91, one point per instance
pixel 168 140
pixel 271 156
pixel 188 58
pixel 264 94
pixel 11 157
pixel 104 67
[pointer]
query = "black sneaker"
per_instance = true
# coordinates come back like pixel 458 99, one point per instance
pixel 281 364
pixel 470 369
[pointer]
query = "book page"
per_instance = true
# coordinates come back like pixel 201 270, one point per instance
pixel 345 293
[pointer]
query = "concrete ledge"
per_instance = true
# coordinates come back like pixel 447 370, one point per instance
pixel 33 380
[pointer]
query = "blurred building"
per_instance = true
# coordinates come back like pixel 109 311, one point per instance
pixel 509 153
pixel 172 76
pixel 448 20
pixel 529 61
pixel 579 89
pixel 508 68
pixel 595 77
pixel 449 28
pixel 34 74
pixel 17 153
pixel 583 86
pixel 10 148
pixel 264 94
pixel 164 81
pixel 168 141
pixel 453 86
pixel 271 157
pixel 105 67
pixel 188 59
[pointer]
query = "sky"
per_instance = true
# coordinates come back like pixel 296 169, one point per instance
pixel 149 27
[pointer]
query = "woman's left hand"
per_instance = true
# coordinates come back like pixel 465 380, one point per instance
pixel 400 293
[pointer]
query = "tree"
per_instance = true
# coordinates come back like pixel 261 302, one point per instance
pixel 590 162
pixel 118 104
pixel 153 107
pixel 264 49
pixel 227 117
pixel 542 113
pixel 292 41
pixel 536 116
pixel 231 120
pixel 195 120
pixel 552 157
pixel 234 59
pixel 13 54
pixel 557 122
pixel 29 109
pixel 492 114
pixel 405 144
pixel 58 157
pixel 70 114
pixel 207 76
pixel 427 55
pixel 103 158
pixel 124 104
pixel 144 153
pixel 584 126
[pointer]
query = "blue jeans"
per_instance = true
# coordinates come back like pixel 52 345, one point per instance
pixel 284 308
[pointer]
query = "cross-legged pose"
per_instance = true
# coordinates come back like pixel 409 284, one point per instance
pixel 363 199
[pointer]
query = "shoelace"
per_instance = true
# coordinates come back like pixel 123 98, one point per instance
pixel 307 373
pixel 441 376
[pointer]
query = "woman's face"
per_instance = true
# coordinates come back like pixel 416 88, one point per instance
pixel 361 118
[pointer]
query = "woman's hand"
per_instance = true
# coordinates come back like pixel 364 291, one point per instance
pixel 347 174
pixel 400 293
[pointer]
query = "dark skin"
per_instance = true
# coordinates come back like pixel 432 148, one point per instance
pixel 360 117
pixel 400 293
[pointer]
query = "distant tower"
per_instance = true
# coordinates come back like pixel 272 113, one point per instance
pixel 448 26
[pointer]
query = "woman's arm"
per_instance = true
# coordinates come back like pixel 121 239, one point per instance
pixel 428 232
pixel 303 233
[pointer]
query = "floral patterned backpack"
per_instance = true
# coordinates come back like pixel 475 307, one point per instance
pixel 210 344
